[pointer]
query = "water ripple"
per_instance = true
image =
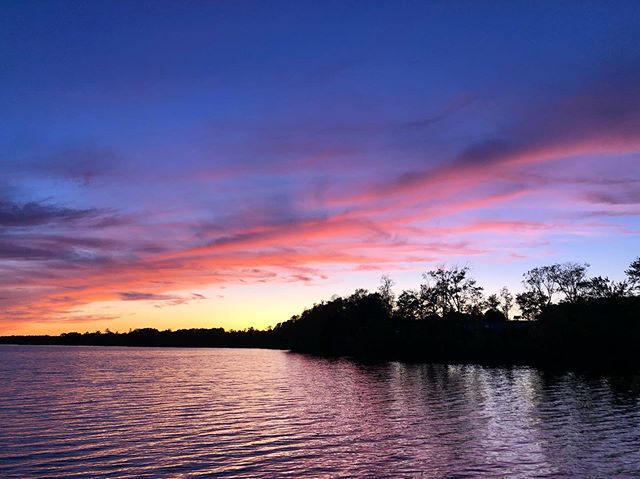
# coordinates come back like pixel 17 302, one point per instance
pixel 193 413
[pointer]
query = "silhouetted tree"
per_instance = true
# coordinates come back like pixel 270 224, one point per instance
pixel 492 302
pixel 386 291
pixel 541 283
pixel 493 313
pixel 429 300
pixel 531 303
pixel 506 301
pixel 602 287
pixel 365 307
pixel 453 290
pixel 633 273
pixel 409 305
pixel 567 278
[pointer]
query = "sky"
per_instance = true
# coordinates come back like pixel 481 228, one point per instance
pixel 229 163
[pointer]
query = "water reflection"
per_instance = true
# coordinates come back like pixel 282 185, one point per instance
pixel 110 412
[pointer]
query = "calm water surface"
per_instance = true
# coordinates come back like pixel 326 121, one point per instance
pixel 187 413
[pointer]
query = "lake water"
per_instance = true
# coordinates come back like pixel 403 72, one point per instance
pixel 187 413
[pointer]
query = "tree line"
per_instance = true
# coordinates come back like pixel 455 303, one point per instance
pixel 452 290
pixel 569 318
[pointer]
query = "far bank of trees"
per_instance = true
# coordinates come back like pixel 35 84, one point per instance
pixel 571 318
pixel 446 291
pixel 569 315
pixel 570 283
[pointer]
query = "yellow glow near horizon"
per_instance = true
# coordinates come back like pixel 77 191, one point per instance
pixel 232 307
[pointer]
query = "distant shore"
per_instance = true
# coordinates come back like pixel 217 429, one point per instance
pixel 568 335
pixel 448 320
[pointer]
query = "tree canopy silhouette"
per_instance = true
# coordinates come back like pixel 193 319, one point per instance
pixel 569 317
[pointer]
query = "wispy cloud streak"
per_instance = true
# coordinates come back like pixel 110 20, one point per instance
pixel 300 172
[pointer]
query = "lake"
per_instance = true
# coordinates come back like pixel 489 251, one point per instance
pixel 189 413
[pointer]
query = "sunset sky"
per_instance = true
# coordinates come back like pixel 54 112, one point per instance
pixel 227 163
